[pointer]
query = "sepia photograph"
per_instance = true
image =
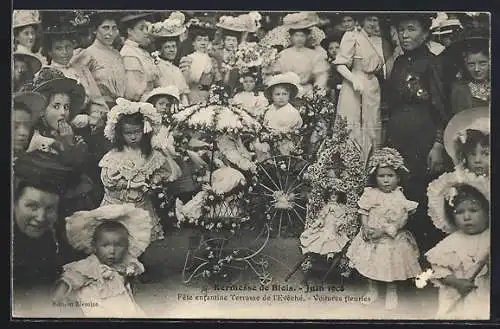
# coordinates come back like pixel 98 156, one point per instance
pixel 244 165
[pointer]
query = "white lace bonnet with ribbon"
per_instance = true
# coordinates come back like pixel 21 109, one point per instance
pixel 152 118
pixel 443 190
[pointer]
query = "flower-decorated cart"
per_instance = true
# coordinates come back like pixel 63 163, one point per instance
pixel 280 193
pixel 336 180
pixel 211 135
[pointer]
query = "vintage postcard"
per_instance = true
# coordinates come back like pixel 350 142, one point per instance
pixel 251 165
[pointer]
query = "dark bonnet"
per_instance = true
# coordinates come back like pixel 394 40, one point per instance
pixel 44 171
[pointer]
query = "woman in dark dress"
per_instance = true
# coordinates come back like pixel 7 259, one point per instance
pixel 417 117
pixel 39 182
pixel 472 86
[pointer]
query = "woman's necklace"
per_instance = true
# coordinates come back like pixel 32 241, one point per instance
pixel 480 90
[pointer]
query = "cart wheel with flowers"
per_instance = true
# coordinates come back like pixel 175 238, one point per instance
pixel 279 193
pixel 223 247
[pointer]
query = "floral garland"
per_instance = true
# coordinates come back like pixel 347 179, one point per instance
pixel 126 107
pixel 220 212
pixel 217 116
pixel 338 153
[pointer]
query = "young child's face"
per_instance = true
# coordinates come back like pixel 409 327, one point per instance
pixel 281 96
pixel 20 69
pixel 133 134
pixel 21 127
pixel 248 83
pixel 200 43
pixel 387 179
pixel 162 104
pixel 57 110
pixel 333 48
pixel 111 247
pixel 478 160
pixel 471 217
pixel 230 42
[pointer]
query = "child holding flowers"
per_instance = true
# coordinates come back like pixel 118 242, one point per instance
pixel 383 250
pixel 113 236
pixel 459 206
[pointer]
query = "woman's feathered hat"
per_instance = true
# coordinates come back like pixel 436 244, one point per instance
pixel 301 20
pixel 173 26
pixel 50 81
pixel 443 190
pixel 23 18
pixel 43 171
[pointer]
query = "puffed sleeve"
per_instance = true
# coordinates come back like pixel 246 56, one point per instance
pixel 136 78
pixel 366 201
pixel 73 279
pixel 347 48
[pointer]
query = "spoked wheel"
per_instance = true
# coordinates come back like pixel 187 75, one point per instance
pixel 279 195
pixel 225 258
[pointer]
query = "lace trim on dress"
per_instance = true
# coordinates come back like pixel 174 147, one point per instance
pixel 125 163
pixel 480 91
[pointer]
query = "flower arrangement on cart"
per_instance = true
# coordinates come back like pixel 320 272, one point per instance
pixel 211 135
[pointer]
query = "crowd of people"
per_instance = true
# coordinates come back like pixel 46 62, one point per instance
pixel 92 90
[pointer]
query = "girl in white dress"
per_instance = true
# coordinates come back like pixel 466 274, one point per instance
pixel 250 99
pixel 383 251
pixel 459 205
pixel 113 236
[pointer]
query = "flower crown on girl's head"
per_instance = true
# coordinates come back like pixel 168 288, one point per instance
pixel 126 107
pixel 386 157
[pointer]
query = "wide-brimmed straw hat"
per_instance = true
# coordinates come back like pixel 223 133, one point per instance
pixel 442 189
pixel 163 91
pixel 80 226
pixel 34 102
pixel 33 62
pixel 173 26
pixel 477 118
pixel 50 80
pixel 23 18
pixel 301 20
pixel 290 79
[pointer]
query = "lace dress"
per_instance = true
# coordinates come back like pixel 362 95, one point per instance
pixel 459 254
pixel 394 256
pixel 121 171
pixel 100 290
